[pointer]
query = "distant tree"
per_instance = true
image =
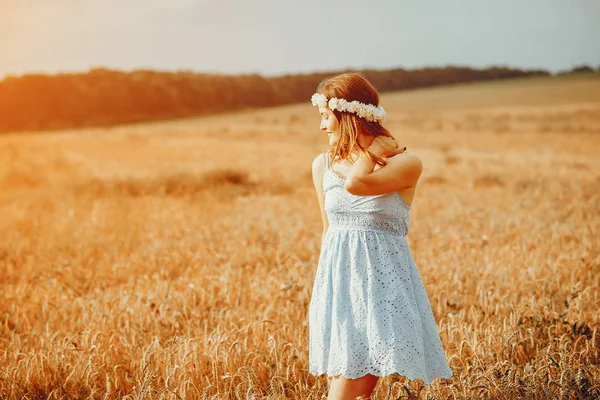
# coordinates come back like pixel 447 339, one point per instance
pixel 582 69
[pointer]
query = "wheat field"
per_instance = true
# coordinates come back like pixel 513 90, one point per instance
pixel 174 260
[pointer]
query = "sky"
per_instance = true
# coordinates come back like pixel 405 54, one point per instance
pixel 275 37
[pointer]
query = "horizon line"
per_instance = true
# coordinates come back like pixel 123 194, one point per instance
pixel 288 73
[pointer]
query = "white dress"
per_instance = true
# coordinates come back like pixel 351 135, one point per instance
pixel 369 312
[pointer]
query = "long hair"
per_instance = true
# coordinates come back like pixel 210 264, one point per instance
pixel 352 86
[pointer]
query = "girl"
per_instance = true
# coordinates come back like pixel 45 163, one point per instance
pixel 369 314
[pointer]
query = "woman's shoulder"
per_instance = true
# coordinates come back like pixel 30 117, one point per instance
pixel 319 162
pixel 318 165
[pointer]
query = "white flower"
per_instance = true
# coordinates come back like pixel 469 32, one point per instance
pixel 333 104
pixel 319 100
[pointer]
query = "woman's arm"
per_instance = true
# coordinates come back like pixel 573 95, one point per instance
pixel 401 171
pixel 318 170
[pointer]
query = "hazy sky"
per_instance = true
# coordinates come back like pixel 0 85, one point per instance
pixel 277 36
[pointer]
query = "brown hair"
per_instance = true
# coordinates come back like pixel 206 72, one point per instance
pixel 352 86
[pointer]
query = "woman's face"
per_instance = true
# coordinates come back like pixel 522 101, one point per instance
pixel 330 125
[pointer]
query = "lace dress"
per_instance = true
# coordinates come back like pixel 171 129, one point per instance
pixel 369 312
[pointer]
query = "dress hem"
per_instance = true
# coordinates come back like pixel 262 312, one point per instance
pixel 385 374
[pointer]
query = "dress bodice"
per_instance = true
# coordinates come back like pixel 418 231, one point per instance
pixel 387 212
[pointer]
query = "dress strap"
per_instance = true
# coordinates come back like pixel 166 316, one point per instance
pixel 326 156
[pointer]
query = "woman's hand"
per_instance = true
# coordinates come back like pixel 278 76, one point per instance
pixel 385 147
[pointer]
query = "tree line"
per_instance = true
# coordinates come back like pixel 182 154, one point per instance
pixel 105 97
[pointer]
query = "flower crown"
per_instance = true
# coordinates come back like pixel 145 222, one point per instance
pixel 366 111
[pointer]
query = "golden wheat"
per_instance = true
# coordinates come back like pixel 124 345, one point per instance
pixel 175 260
